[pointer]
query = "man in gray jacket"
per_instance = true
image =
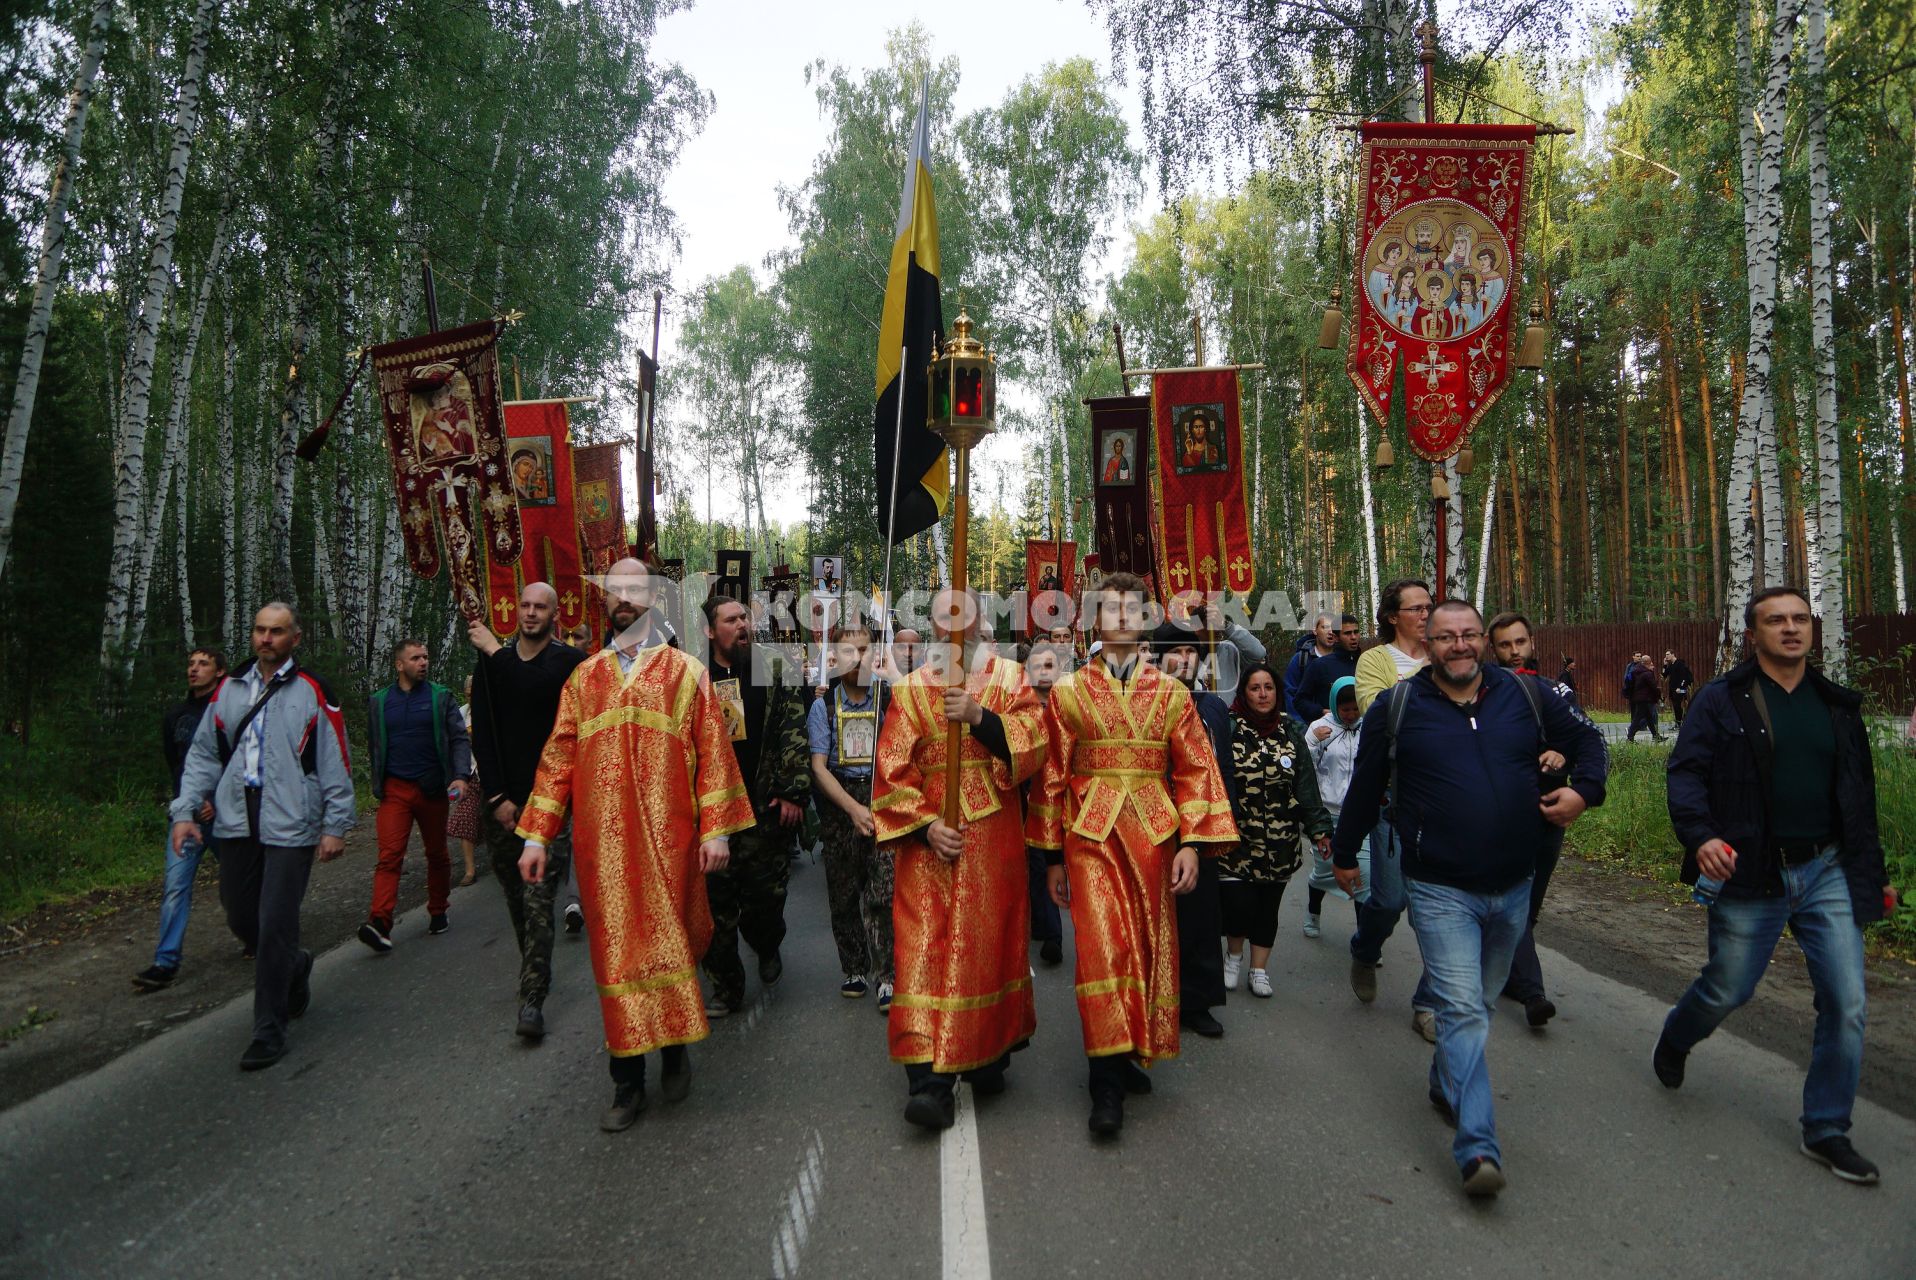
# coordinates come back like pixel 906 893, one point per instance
pixel 270 753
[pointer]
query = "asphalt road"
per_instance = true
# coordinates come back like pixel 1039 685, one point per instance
pixel 409 1133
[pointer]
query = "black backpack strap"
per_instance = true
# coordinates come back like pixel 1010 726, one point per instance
pixel 1530 694
pixel 227 748
pixel 1393 721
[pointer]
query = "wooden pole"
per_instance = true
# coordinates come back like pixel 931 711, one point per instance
pixel 1117 331
pixel 432 294
pixel 955 673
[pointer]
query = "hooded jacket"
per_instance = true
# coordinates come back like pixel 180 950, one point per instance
pixel 1336 755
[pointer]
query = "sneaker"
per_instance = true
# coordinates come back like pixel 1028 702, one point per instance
pixel 884 998
pixel 438 924
pixel 852 988
pixel 719 1007
pixel 375 937
pixel 1364 980
pixel 1424 1023
pixel 770 969
pixel 532 1022
pixel 260 1055
pixel 299 997
pixel 1051 951
pixel 1233 965
pixel 1539 1011
pixel 574 918
pixel 154 978
pixel 1311 929
pixel 1482 1177
pixel 1668 1064
pixel 1842 1159
pixel 1260 984
pixel 627 1101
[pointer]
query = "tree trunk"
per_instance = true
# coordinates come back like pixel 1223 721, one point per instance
pixel 1626 563
pixel 129 489
pixel 53 245
pixel 178 412
pixel 1714 498
pixel 228 480
pixel 1365 498
pixel 1673 387
pixel 1829 441
pixel 1490 506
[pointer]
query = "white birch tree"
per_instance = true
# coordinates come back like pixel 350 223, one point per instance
pixel 1829 443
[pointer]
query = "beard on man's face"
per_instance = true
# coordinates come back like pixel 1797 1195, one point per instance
pixel 534 628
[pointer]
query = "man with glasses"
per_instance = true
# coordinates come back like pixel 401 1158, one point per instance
pixel 1463 778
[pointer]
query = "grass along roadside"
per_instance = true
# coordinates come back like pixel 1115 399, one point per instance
pixel 1631 830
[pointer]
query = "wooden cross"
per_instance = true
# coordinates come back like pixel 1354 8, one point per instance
pixel 1430 366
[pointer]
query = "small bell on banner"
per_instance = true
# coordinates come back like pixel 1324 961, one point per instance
pixel 1439 487
pixel 1386 456
pixel 1333 326
pixel 1530 356
pixel 1466 459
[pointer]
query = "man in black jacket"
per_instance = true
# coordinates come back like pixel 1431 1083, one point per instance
pixel 1313 695
pixel 1466 807
pixel 1773 794
pixel 515 699
pixel 204 669
pixel 1677 681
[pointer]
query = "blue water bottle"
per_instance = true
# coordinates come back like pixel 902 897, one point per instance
pixel 1708 887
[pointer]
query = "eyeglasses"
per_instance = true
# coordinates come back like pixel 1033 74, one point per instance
pixel 1413 608
pixel 1448 638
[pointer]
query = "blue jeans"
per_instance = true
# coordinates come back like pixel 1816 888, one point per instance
pixel 1377 916
pixel 181 868
pixel 1743 935
pixel 1467 939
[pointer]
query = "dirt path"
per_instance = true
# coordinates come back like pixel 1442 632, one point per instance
pixel 67 1002
pixel 72 965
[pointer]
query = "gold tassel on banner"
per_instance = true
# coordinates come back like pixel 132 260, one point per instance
pixel 1333 327
pixel 1386 456
pixel 1466 459
pixel 1534 337
pixel 1439 487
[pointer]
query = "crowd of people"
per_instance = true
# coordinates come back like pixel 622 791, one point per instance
pixel 1161 788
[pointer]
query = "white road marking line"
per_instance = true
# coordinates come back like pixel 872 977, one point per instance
pixel 798 1209
pixel 961 1182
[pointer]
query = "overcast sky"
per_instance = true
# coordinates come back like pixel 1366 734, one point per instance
pixel 766 129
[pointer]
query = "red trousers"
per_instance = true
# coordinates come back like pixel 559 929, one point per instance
pixel 403 804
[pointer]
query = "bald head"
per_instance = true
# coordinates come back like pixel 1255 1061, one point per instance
pixel 275 635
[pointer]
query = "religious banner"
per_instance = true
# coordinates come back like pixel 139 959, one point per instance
pixel 599 497
pixel 1440 257
pixel 1120 482
pixel 782 587
pixel 734 576
pixel 539 459
pixel 439 395
pixel 1203 532
pixel 1051 583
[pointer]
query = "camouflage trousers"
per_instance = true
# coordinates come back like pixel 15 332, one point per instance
pixel 530 905
pixel 858 880
pixel 748 899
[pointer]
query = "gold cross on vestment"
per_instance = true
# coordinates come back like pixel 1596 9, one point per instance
pixel 1430 366
pixel 1238 565
pixel 1180 573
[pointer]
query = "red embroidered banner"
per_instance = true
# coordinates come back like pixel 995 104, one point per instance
pixel 1203 532
pixel 1051 582
pixel 539 460
pixel 439 395
pixel 1121 482
pixel 1440 259
pixel 598 493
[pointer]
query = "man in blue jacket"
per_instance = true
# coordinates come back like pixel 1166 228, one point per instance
pixel 1466 738
pixel 1773 794
pixel 270 753
pixel 421 757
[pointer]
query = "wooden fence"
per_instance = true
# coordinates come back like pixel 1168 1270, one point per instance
pixel 1882 656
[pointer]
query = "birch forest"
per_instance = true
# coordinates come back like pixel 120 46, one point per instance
pixel 206 207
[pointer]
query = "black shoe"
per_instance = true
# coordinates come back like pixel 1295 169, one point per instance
pixel 438 924
pixel 1136 1079
pixel 1483 1177
pixel 627 1101
pixel 532 1022
pixel 675 1079
pixel 376 936
pixel 932 1108
pixel 1539 1011
pixel 988 1082
pixel 1842 1159
pixel 299 998
pixel 770 968
pixel 1442 1104
pixel 1107 1114
pixel 259 1055
pixel 1051 951
pixel 1201 1022
pixel 154 978
pixel 1668 1064
pixel 574 918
